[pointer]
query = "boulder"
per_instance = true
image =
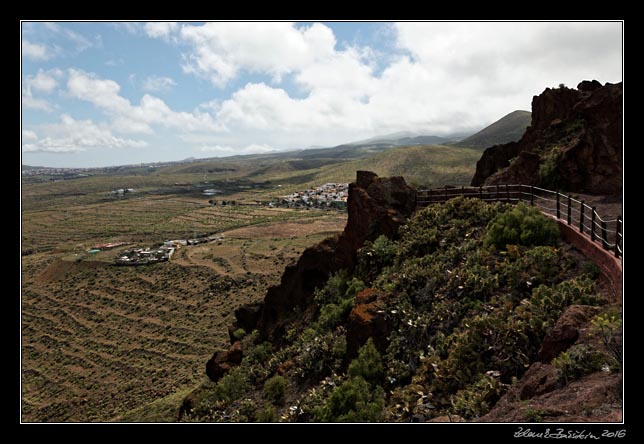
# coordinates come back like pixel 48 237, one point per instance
pixel 539 379
pixel 222 361
pixel 566 331
pixel 247 316
pixel 368 319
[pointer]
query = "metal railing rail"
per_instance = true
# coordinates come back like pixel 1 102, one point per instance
pixel 576 213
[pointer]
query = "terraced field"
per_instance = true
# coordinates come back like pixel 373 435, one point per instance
pixel 99 340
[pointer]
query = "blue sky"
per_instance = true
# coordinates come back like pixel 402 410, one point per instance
pixel 112 93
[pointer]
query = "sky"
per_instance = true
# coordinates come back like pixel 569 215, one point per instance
pixel 113 93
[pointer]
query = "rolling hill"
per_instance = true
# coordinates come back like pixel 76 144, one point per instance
pixel 509 128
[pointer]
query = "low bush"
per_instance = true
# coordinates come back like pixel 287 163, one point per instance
pixel 521 225
pixel 477 399
pixel 275 389
pixel 608 327
pixel 353 401
pixel 578 361
pixel 267 414
pixel 368 364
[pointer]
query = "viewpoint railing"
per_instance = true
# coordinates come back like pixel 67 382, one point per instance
pixel 608 233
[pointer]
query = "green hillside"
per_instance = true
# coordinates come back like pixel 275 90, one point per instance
pixel 462 327
pixel 509 128
pixel 419 165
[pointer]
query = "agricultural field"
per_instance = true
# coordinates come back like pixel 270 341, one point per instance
pixel 101 342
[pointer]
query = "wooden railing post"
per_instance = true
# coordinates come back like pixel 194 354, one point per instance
pixel 520 198
pixel 605 236
pixel 581 217
pixel 507 193
pixel 569 209
pixel 558 207
pixel 497 193
pixel 445 193
pixel 592 224
pixel 532 195
pixel 618 235
pixel 462 190
pixel 481 193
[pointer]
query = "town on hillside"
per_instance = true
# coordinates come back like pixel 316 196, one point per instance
pixel 327 196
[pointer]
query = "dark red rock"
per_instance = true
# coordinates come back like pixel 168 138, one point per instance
pixel 539 379
pixel 235 353
pixel 368 319
pixel 589 86
pixel 376 206
pixel 247 316
pixel 566 331
pixel 584 124
pixel 222 361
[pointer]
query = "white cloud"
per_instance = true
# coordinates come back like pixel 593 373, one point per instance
pixel 72 135
pixel 34 51
pixel 160 29
pixel 223 151
pixel 158 84
pixel 29 136
pixel 220 50
pixel 44 82
pixel 446 77
pixel 29 102
pixel 61 41
pixel 105 94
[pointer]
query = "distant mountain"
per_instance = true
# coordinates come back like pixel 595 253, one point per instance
pixel 402 138
pixel 509 128
pixel 29 167
pixel 365 148
pixel 386 137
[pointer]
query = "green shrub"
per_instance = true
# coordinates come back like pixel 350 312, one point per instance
pixel 353 401
pixel 337 298
pixel 580 360
pixel 333 314
pixel 477 399
pixel 548 169
pixel 521 225
pixel 275 389
pixel 333 290
pixel 591 269
pixel 441 226
pixel 374 257
pixel 534 415
pixel 317 355
pixel 608 326
pixel 232 385
pixel 239 333
pixel 260 353
pixel 267 414
pixel 368 364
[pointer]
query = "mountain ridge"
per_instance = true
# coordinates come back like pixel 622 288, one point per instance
pixel 508 128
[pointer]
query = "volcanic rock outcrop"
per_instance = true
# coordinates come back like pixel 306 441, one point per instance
pixel 376 206
pixel 574 143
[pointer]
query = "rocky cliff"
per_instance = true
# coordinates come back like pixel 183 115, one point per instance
pixel 574 143
pixel 376 206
